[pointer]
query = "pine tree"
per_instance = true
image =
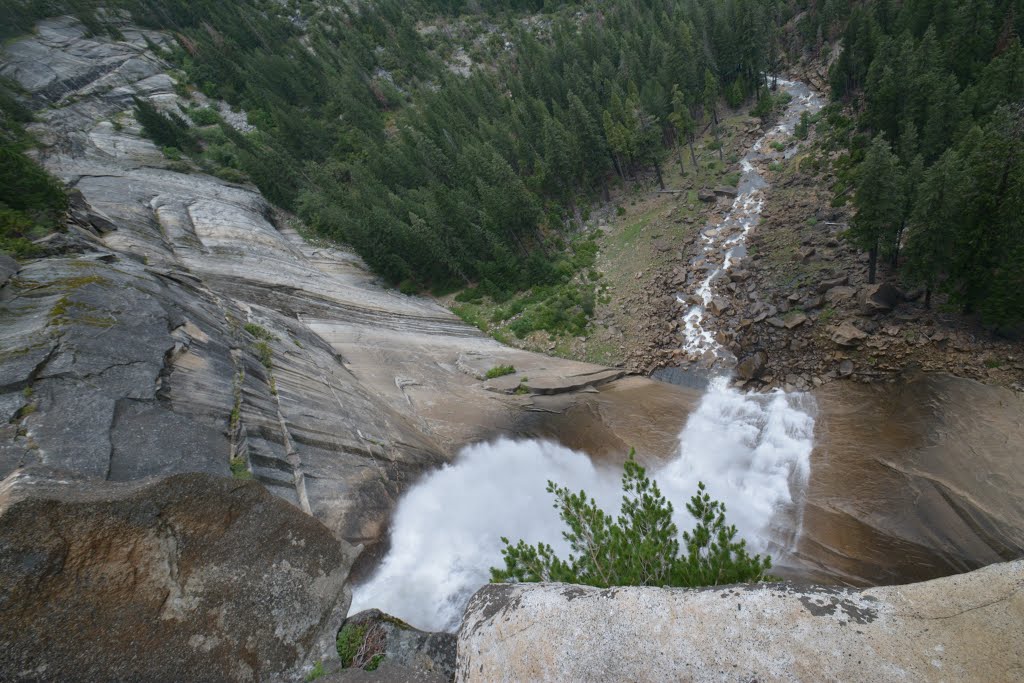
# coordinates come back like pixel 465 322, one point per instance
pixel 684 125
pixel 710 99
pixel 639 548
pixel 879 201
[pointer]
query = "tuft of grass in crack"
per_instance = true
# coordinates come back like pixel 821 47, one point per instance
pixel 500 371
pixel 265 353
pixel 239 468
pixel 259 332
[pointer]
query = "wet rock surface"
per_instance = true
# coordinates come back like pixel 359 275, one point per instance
pixel 957 628
pixel 934 491
pixel 190 578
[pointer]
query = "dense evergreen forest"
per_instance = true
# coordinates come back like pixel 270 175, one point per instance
pixel 458 143
pixel 938 146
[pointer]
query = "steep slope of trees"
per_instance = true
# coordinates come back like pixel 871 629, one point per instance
pixel 441 179
pixel 939 89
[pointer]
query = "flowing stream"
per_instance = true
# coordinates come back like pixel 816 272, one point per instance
pixel 724 242
pixel 751 450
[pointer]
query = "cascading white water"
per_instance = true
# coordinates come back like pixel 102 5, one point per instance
pixel 446 532
pixel 724 241
pixel 752 452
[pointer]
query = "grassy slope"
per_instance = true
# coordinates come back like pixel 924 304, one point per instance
pixel 640 231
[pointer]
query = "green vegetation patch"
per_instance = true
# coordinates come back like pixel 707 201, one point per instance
pixel 562 308
pixel 500 371
pixel 350 640
pixel 240 468
pixel 316 672
pixel 265 354
pixel 66 310
pixel 259 331
pixel 32 202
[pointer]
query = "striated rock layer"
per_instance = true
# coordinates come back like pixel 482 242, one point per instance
pixel 182 323
pixel 960 628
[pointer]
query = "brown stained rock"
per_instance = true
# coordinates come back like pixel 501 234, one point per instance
pixel 190 578
pixel 719 305
pixel 879 298
pixel 753 366
pixel 846 334
pixel 837 295
pixel 794 320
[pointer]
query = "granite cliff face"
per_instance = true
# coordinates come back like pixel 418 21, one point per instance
pixel 126 354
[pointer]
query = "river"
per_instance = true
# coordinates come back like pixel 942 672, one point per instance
pixel 724 241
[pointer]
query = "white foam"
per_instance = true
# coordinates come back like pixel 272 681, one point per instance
pixel 752 452
pixel 446 532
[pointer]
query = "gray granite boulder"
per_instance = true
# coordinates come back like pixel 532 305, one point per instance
pixel 959 628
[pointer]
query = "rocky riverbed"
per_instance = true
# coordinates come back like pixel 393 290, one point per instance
pixel 795 309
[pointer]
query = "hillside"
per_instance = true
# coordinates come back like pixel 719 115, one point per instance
pixel 302 303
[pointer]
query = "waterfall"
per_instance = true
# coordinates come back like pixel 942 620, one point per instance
pixel 751 450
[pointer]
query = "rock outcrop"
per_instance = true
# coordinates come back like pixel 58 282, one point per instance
pixel 912 481
pixel 191 578
pixel 394 650
pixel 961 628
pixel 8 267
pixel 182 323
